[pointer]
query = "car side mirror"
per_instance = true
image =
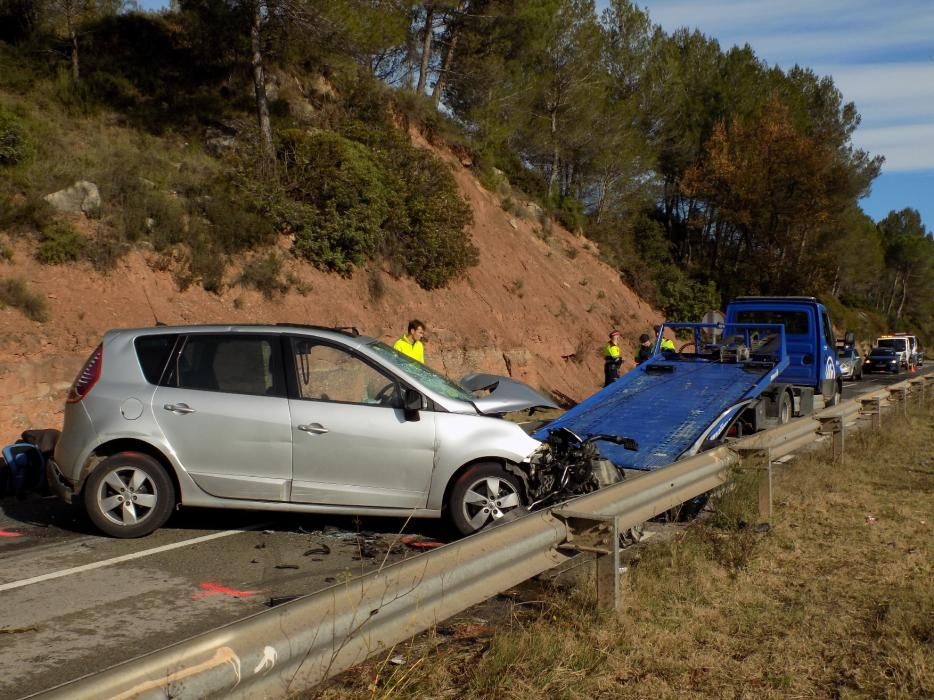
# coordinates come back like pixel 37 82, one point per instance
pixel 413 402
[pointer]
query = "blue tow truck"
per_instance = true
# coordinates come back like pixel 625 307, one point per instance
pixel 761 367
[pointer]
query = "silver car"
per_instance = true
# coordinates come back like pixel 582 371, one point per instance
pixel 287 418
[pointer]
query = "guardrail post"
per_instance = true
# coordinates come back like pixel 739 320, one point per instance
pixel 596 534
pixel 901 394
pixel 874 412
pixel 765 479
pixel 835 426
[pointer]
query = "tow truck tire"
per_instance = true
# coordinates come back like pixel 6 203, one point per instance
pixel 834 398
pixel 484 493
pixel 785 408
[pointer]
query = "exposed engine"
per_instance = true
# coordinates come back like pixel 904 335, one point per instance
pixel 568 465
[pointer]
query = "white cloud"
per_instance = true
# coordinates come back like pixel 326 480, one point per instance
pixel 906 148
pixel 887 93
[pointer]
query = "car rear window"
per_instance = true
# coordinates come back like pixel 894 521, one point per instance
pixel 153 351
pixel 795 322
pixel 881 352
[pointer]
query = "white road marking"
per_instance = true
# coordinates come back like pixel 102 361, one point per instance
pixel 126 557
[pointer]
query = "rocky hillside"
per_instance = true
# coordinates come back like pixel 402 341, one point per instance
pixel 537 307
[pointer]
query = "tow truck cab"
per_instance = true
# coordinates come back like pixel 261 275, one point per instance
pixel 813 367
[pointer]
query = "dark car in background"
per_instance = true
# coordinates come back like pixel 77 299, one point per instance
pixel 851 363
pixel 883 359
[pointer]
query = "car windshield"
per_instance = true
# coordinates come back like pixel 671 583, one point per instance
pixel 423 374
pixel 894 343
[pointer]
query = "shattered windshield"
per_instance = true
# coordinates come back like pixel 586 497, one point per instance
pixel 423 374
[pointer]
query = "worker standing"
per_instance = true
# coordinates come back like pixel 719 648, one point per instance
pixel 645 349
pixel 611 359
pixel 411 343
pixel 666 343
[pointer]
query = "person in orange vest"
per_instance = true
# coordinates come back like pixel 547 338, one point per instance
pixel 411 343
pixel 611 359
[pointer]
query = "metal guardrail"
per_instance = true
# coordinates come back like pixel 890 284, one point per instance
pixel 298 644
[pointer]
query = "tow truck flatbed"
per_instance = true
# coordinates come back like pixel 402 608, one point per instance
pixel 674 402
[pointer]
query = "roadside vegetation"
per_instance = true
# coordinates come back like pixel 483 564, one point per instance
pixel 216 128
pixel 834 601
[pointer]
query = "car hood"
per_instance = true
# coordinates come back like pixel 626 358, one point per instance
pixel 505 395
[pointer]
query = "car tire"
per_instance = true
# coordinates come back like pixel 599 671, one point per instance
pixel 484 493
pixel 786 407
pixel 129 495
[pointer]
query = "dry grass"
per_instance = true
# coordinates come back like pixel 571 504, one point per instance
pixel 828 604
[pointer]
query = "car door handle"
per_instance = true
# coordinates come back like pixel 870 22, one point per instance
pixel 182 408
pixel 315 428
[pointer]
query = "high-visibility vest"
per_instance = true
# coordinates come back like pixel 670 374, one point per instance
pixel 667 344
pixel 414 350
pixel 611 352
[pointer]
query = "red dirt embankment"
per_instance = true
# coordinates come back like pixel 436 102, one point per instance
pixel 538 309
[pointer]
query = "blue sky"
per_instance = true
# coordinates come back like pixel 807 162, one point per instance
pixel 879 53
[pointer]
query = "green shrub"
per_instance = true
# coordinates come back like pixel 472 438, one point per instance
pixel 264 274
pixel 15 144
pixel 16 293
pixel 60 244
pixel 338 199
pixel 570 212
pixel 26 214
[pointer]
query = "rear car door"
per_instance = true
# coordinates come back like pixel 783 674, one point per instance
pixel 353 444
pixel 223 408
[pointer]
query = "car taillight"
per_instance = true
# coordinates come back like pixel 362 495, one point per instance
pixel 87 377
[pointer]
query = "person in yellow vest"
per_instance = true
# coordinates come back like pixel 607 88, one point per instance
pixel 611 359
pixel 666 343
pixel 411 343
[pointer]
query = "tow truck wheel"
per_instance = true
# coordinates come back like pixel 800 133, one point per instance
pixel 785 408
pixel 485 492
pixel 834 398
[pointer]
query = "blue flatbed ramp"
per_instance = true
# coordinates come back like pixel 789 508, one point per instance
pixel 667 405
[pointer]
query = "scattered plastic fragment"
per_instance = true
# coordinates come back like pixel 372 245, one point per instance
pixel 280 599
pixel 870 519
pixel 323 549
pixel 286 566
pixel 419 542
pixel 397 660
pixel 8 533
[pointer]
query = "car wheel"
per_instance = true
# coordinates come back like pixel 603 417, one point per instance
pixel 482 494
pixel 785 408
pixel 129 495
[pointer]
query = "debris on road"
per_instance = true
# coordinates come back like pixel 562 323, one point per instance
pixel 419 542
pixel 322 549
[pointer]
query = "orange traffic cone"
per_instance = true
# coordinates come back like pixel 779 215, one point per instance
pixel 911 368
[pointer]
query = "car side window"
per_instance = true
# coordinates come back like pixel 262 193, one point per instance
pixel 329 373
pixel 233 364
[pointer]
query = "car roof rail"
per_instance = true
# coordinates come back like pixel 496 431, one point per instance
pixel 346 330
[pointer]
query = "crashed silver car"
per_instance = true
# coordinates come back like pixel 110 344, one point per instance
pixel 289 418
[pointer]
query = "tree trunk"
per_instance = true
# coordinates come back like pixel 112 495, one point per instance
pixel 426 49
pixel 555 155
pixel 448 60
pixel 73 35
pixel 259 84
pixel 888 307
pixel 898 314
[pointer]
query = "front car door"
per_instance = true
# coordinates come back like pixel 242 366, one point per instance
pixel 353 444
pixel 223 408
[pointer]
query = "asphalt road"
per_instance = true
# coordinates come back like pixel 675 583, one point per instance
pixel 73 602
